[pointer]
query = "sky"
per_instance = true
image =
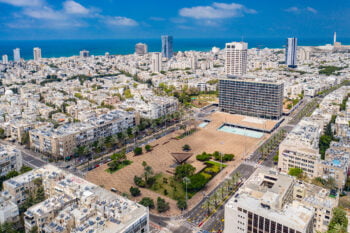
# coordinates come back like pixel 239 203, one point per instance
pixel 111 19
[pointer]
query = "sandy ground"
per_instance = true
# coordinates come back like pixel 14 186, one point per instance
pixel 207 139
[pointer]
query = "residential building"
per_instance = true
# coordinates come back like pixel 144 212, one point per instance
pixel 265 204
pixel 62 141
pixel 5 59
pixel 73 204
pixel 10 159
pixel 84 53
pixel 167 46
pixel 291 52
pixel 253 98
pixel 9 211
pixel 16 55
pixel 300 148
pixel 37 53
pixel 156 63
pixel 141 49
pixel 236 58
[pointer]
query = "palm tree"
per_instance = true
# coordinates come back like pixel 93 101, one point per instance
pixel 186 181
pixel 148 172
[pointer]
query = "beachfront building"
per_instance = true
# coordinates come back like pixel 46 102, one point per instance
pixel 141 49
pixel 167 47
pixel 73 204
pixel 236 58
pixel 291 52
pixel 16 55
pixel 37 53
pixel 252 98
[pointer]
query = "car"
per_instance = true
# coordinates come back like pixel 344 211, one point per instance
pixel 114 190
pixel 97 165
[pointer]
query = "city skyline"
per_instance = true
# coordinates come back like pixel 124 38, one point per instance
pixel 85 19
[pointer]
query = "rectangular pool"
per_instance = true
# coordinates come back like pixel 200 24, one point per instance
pixel 203 124
pixel 239 131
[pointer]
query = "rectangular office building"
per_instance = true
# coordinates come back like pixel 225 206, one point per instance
pixel 252 98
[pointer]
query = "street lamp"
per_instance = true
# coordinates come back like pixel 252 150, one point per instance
pixel 186 180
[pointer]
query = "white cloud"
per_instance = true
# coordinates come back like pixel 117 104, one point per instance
pixel 312 10
pixel 216 11
pixel 23 3
pixel 44 13
pixel 293 9
pixel 297 10
pixel 121 21
pixel 72 7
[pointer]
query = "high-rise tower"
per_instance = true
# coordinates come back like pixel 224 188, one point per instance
pixel 37 53
pixel 236 58
pixel 167 46
pixel 291 52
pixel 16 55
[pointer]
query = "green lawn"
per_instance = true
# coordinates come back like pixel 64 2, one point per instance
pixel 174 188
pixel 121 165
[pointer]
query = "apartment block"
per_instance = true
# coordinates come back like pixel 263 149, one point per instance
pixel 73 204
pixel 236 58
pixel 10 159
pixel 265 204
pixel 274 202
pixel 300 148
pixel 252 98
pixel 62 141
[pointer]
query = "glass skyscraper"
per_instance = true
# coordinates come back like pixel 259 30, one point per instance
pixel 167 46
pixel 291 52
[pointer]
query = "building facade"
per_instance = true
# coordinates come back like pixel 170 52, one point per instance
pixel 37 54
pixel 10 159
pixel 84 53
pixel 5 59
pixel 156 62
pixel 291 52
pixel 141 49
pixel 236 58
pixel 252 98
pixel 167 46
pixel 16 55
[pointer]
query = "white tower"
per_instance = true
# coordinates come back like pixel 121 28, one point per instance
pixel 37 54
pixel 236 58
pixel 335 38
pixel 16 55
pixel 5 59
pixel 156 63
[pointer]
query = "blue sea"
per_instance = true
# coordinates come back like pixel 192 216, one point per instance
pixel 65 48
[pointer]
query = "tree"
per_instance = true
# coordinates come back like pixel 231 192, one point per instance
pixel 118 157
pixel 148 171
pixel 148 202
pixel 2 133
pixel 339 221
pixel 275 159
pixel 198 181
pixel 139 181
pixel 184 170
pixel 25 169
pixel 138 151
pixel 181 204
pixel 162 205
pixel 203 157
pixel 135 191
pixel 295 171
pixel 148 148
pixel 186 147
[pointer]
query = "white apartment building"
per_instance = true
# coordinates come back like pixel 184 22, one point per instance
pixel 300 148
pixel 75 205
pixel 10 159
pixel 5 59
pixel 16 55
pixel 156 62
pixel 265 204
pixel 272 202
pixel 9 211
pixel 236 58
pixel 37 53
